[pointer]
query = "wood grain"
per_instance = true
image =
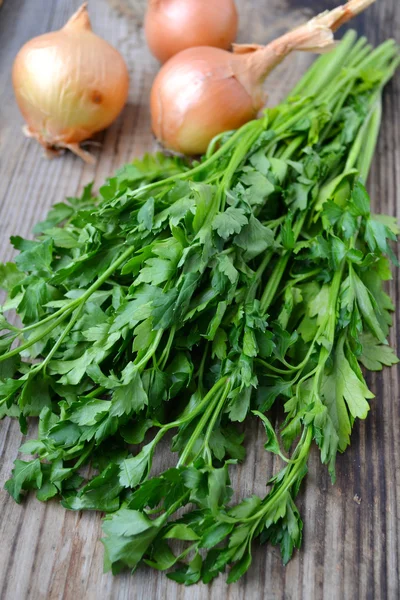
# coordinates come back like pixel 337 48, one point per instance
pixel 351 546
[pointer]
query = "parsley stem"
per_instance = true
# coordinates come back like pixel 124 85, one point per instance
pixel 237 158
pixel 324 69
pixel 289 367
pixel 167 348
pixel 257 276
pixel 193 438
pixel 277 274
pixel 64 311
pixel 358 51
pixel 307 357
pixel 328 328
pixel 118 262
pixel 303 379
pixel 33 339
pixel 231 142
pixel 213 419
pixel 197 431
pixel 150 352
pixel 300 456
pixel 274 223
pixel 94 393
pixel 200 372
pixel 186 418
pixel 273 282
pixel 68 308
pixel 370 141
pixel 358 143
pixel 268 365
pixel 375 59
pixel 336 111
pixel 292 147
pixel 296 278
pixel 84 455
pixel 60 339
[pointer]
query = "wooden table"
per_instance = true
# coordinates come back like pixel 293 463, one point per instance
pixel 351 546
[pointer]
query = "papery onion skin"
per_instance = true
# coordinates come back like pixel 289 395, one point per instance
pixel 202 92
pixel 174 25
pixel 182 122
pixel 69 84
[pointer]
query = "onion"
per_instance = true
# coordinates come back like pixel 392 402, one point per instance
pixel 69 84
pixel 202 91
pixel 174 25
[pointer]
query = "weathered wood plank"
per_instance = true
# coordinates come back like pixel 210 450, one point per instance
pixel 351 548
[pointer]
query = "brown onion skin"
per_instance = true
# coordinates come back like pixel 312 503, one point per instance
pixel 60 84
pixel 185 90
pixel 174 25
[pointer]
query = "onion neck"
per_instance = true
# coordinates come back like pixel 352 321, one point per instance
pixel 252 64
pixel 79 20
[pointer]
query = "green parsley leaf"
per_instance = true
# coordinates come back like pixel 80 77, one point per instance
pixel 25 476
pixel 229 222
pixel 376 355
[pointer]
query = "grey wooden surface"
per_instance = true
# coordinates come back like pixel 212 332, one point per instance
pixel 352 530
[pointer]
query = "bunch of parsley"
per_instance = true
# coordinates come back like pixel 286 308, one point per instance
pixel 192 298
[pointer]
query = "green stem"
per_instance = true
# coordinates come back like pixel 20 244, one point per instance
pixel 68 308
pixel 65 311
pixel 186 418
pixel 370 141
pixel 292 147
pixel 94 393
pixel 293 470
pixel 199 428
pixel 237 158
pixel 377 59
pixel 325 68
pixel 303 379
pixel 201 166
pixel 271 367
pixel 358 143
pixel 215 416
pixel 338 108
pixel 84 456
pixel 329 327
pixel 32 340
pixel 150 352
pixel 277 274
pixel 257 276
pixel 61 339
pixel 200 372
pixel 301 277
pixel 167 349
pixel 295 465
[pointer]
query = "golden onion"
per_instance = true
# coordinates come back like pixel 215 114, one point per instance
pixel 69 84
pixel 174 25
